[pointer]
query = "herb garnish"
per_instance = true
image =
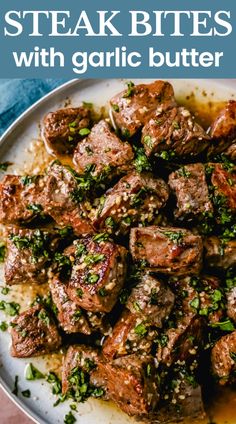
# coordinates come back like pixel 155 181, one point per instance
pixel 32 373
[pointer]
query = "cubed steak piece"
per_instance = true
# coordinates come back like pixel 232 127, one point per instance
pixel 231 303
pixel 174 131
pixel 131 383
pixel 183 336
pixel 182 399
pixel 131 334
pixel 230 153
pixel 70 315
pixel 64 128
pixel 133 107
pixel 136 198
pixel 152 300
pixel 223 181
pixel 29 254
pixel 34 333
pixel 98 274
pixel 78 358
pixel 223 129
pixel 190 188
pixel 223 359
pixel 21 199
pixel 219 253
pixel 103 153
pixel 63 199
pixel 168 250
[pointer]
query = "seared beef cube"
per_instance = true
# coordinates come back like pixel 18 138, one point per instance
pixel 21 199
pixel 29 255
pixel 63 199
pixel 183 398
pixel 64 128
pixel 98 322
pixel 220 253
pixel 98 274
pixel 70 315
pixel 167 250
pixel 189 185
pixel 231 303
pixel 78 357
pixel 152 300
pixel 34 333
pixel 131 334
pixel 231 152
pixel 223 359
pixel 224 189
pixel 131 383
pixel 133 107
pixel 103 153
pixel 223 129
pixel 135 198
pixel 174 131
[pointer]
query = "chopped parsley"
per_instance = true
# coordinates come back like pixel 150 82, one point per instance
pixel 98 238
pixel 162 340
pixel 115 108
pixel 109 222
pixel 140 330
pixel 32 373
pixel 53 379
pixel 63 262
pixel 141 162
pixel 2 251
pixel 176 237
pixel 92 278
pixel 84 131
pixel 35 208
pixel 38 243
pixel 27 179
pixel 5 290
pixel 89 105
pixel 69 418
pixel 183 172
pixel 102 292
pixel 148 141
pixel 93 258
pixel 26 393
pixel 3 326
pixel 43 316
pixel 226 325
pixel 165 155
pixel 10 308
pixel 15 389
pixel 4 166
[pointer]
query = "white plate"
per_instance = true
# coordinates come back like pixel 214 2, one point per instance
pixel 14 147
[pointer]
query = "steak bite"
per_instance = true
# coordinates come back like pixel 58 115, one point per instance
pixel 104 153
pixel 223 357
pixel 29 254
pixel 136 198
pixel 174 131
pixel 34 333
pixel 98 274
pixel 70 315
pixel 152 300
pixel 168 250
pixel 133 107
pixel 63 199
pixel 78 358
pixel 190 188
pixel 223 129
pixel 21 199
pixel 219 253
pixel 131 334
pixel 64 128
pixel 224 188
pixel 131 383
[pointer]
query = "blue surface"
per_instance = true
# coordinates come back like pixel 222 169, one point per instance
pixel 16 95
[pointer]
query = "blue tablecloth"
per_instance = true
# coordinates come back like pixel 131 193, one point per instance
pixel 16 95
